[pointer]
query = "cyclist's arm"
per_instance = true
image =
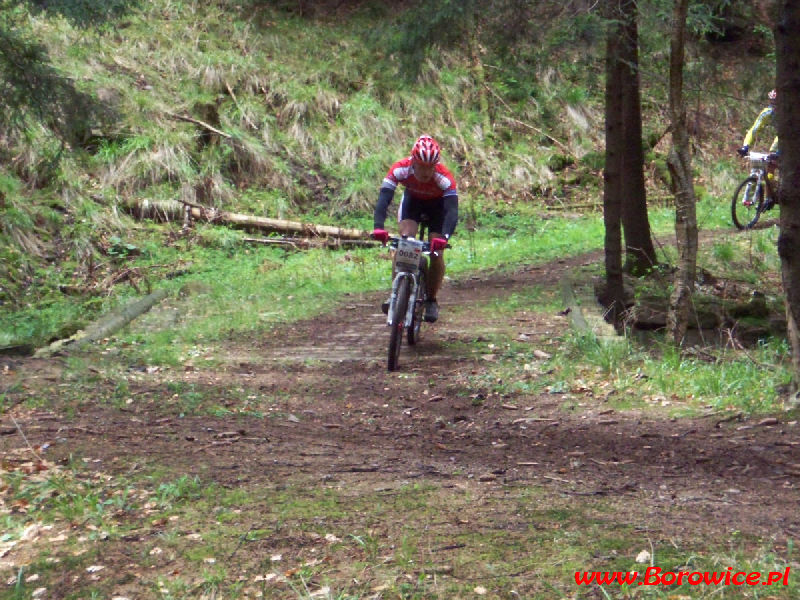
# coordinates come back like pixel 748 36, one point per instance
pixel 774 147
pixel 450 206
pixel 385 197
pixel 751 133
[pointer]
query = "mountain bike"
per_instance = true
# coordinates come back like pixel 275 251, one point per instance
pixel 409 292
pixel 755 195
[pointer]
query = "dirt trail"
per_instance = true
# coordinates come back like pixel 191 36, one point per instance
pixel 335 414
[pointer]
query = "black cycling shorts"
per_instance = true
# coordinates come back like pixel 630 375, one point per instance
pixel 430 212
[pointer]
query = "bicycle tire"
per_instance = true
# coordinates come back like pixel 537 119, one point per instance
pixel 747 203
pixel 398 323
pixel 419 306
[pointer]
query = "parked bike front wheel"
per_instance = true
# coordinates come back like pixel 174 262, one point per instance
pixel 398 323
pixel 747 203
pixel 419 309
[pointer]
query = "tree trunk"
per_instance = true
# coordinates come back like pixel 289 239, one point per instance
pixel 787 41
pixel 640 253
pixel 169 210
pixel 680 167
pixel 613 297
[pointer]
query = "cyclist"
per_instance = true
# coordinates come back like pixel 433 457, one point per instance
pixel 430 195
pixel 766 115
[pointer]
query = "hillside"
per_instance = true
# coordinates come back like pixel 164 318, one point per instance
pixel 294 110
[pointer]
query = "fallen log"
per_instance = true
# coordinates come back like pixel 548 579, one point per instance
pixel 171 210
pixel 305 243
pixel 105 326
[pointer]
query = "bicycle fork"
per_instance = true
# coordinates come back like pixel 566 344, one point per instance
pixel 750 195
pixel 412 298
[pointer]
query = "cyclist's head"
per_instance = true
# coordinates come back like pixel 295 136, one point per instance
pixel 772 96
pixel 425 151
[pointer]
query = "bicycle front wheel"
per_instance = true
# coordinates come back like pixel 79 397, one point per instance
pixel 398 323
pixel 747 203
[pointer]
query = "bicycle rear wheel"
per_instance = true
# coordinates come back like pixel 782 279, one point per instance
pixel 747 203
pixel 398 323
pixel 419 306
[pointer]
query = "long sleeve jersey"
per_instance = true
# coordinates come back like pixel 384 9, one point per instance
pixel 442 185
pixel 765 116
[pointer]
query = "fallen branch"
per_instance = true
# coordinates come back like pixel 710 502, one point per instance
pixel 24 437
pixel 592 205
pixel 202 124
pixel 106 325
pixel 131 274
pixel 170 210
pixel 305 243
pixel 539 131
pixel 241 110
pixel 126 274
pixel 573 309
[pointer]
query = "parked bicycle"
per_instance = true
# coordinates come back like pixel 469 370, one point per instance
pixel 409 293
pixel 755 195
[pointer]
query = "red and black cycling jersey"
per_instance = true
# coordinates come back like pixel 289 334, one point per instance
pixel 442 184
pixel 440 191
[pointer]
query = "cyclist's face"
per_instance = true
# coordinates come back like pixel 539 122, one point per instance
pixel 422 171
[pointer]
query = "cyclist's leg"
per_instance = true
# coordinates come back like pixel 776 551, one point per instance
pixel 408 227
pixel 405 227
pixel 435 213
pixel 435 222
pixel 408 214
pixel 408 219
pixel 436 270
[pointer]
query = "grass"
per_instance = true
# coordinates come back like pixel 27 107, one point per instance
pixel 274 286
pixel 636 374
pixel 344 541
pixel 629 375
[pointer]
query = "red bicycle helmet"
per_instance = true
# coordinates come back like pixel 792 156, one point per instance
pixel 426 150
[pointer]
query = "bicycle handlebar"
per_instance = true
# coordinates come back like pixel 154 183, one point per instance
pixel 426 247
pixel 770 156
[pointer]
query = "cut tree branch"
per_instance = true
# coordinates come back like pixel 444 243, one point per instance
pixel 202 124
